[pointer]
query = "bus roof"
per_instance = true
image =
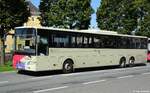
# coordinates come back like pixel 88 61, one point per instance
pixel 89 31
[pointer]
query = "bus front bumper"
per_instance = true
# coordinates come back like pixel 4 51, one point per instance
pixel 26 66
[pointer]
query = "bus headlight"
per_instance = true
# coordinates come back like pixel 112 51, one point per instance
pixel 30 63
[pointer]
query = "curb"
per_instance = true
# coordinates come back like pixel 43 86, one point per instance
pixel 5 72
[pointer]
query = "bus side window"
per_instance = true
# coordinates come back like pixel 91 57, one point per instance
pixel 60 40
pixel 85 42
pixel 96 42
pixel 73 41
pixel 90 42
pixel 144 44
pixel 79 41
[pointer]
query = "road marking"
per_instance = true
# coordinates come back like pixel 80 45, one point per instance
pixel 92 82
pixel 100 71
pixel 42 77
pixel 51 89
pixel 85 73
pixel 119 69
pixel 72 74
pixel 141 91
pixel 2 82
pixel 125 77
pixel 137 67
pixel 148 73
pixel 82 73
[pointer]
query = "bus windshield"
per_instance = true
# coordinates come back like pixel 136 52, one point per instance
pixel 25 40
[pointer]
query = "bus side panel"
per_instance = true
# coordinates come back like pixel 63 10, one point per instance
pixel 43 63
pixel 141 56
pixel 88 57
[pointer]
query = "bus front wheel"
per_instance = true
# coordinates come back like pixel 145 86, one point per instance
pixel 68 66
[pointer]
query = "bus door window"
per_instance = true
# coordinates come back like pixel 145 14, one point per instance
pixel 43 43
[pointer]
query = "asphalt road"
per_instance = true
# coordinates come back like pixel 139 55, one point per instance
pixel 115 80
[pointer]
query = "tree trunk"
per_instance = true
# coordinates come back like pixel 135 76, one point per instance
pixel 2 61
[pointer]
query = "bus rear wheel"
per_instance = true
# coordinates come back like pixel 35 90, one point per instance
pixel 131 61
pixel 122 62
pixel 68 67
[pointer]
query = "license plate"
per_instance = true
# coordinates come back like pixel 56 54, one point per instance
pixel 20 65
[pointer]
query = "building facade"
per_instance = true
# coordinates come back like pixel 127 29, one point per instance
pixel 33 20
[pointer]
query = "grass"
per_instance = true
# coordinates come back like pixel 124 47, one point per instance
pixel 7 67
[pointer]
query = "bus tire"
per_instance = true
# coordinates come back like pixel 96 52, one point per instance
pixel 122 62
pixel 20 71
pixel 131 61
pixel 68 66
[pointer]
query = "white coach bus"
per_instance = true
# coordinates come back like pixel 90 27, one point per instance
pixel 43 48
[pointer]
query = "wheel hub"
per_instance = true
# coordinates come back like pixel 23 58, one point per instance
pixel 67 67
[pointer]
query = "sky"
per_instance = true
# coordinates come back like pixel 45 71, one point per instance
pixel 95 4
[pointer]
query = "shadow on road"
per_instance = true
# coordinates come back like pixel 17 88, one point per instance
pixel 47 73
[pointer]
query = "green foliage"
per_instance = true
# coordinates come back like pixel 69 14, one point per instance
pixel 13 13
pixel 125 16
pixel 73 14
pixel 7 67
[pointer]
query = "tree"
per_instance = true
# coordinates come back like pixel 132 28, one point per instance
pixel 73 14
pixel 144 23
pixel 12 13
pixel 124 16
